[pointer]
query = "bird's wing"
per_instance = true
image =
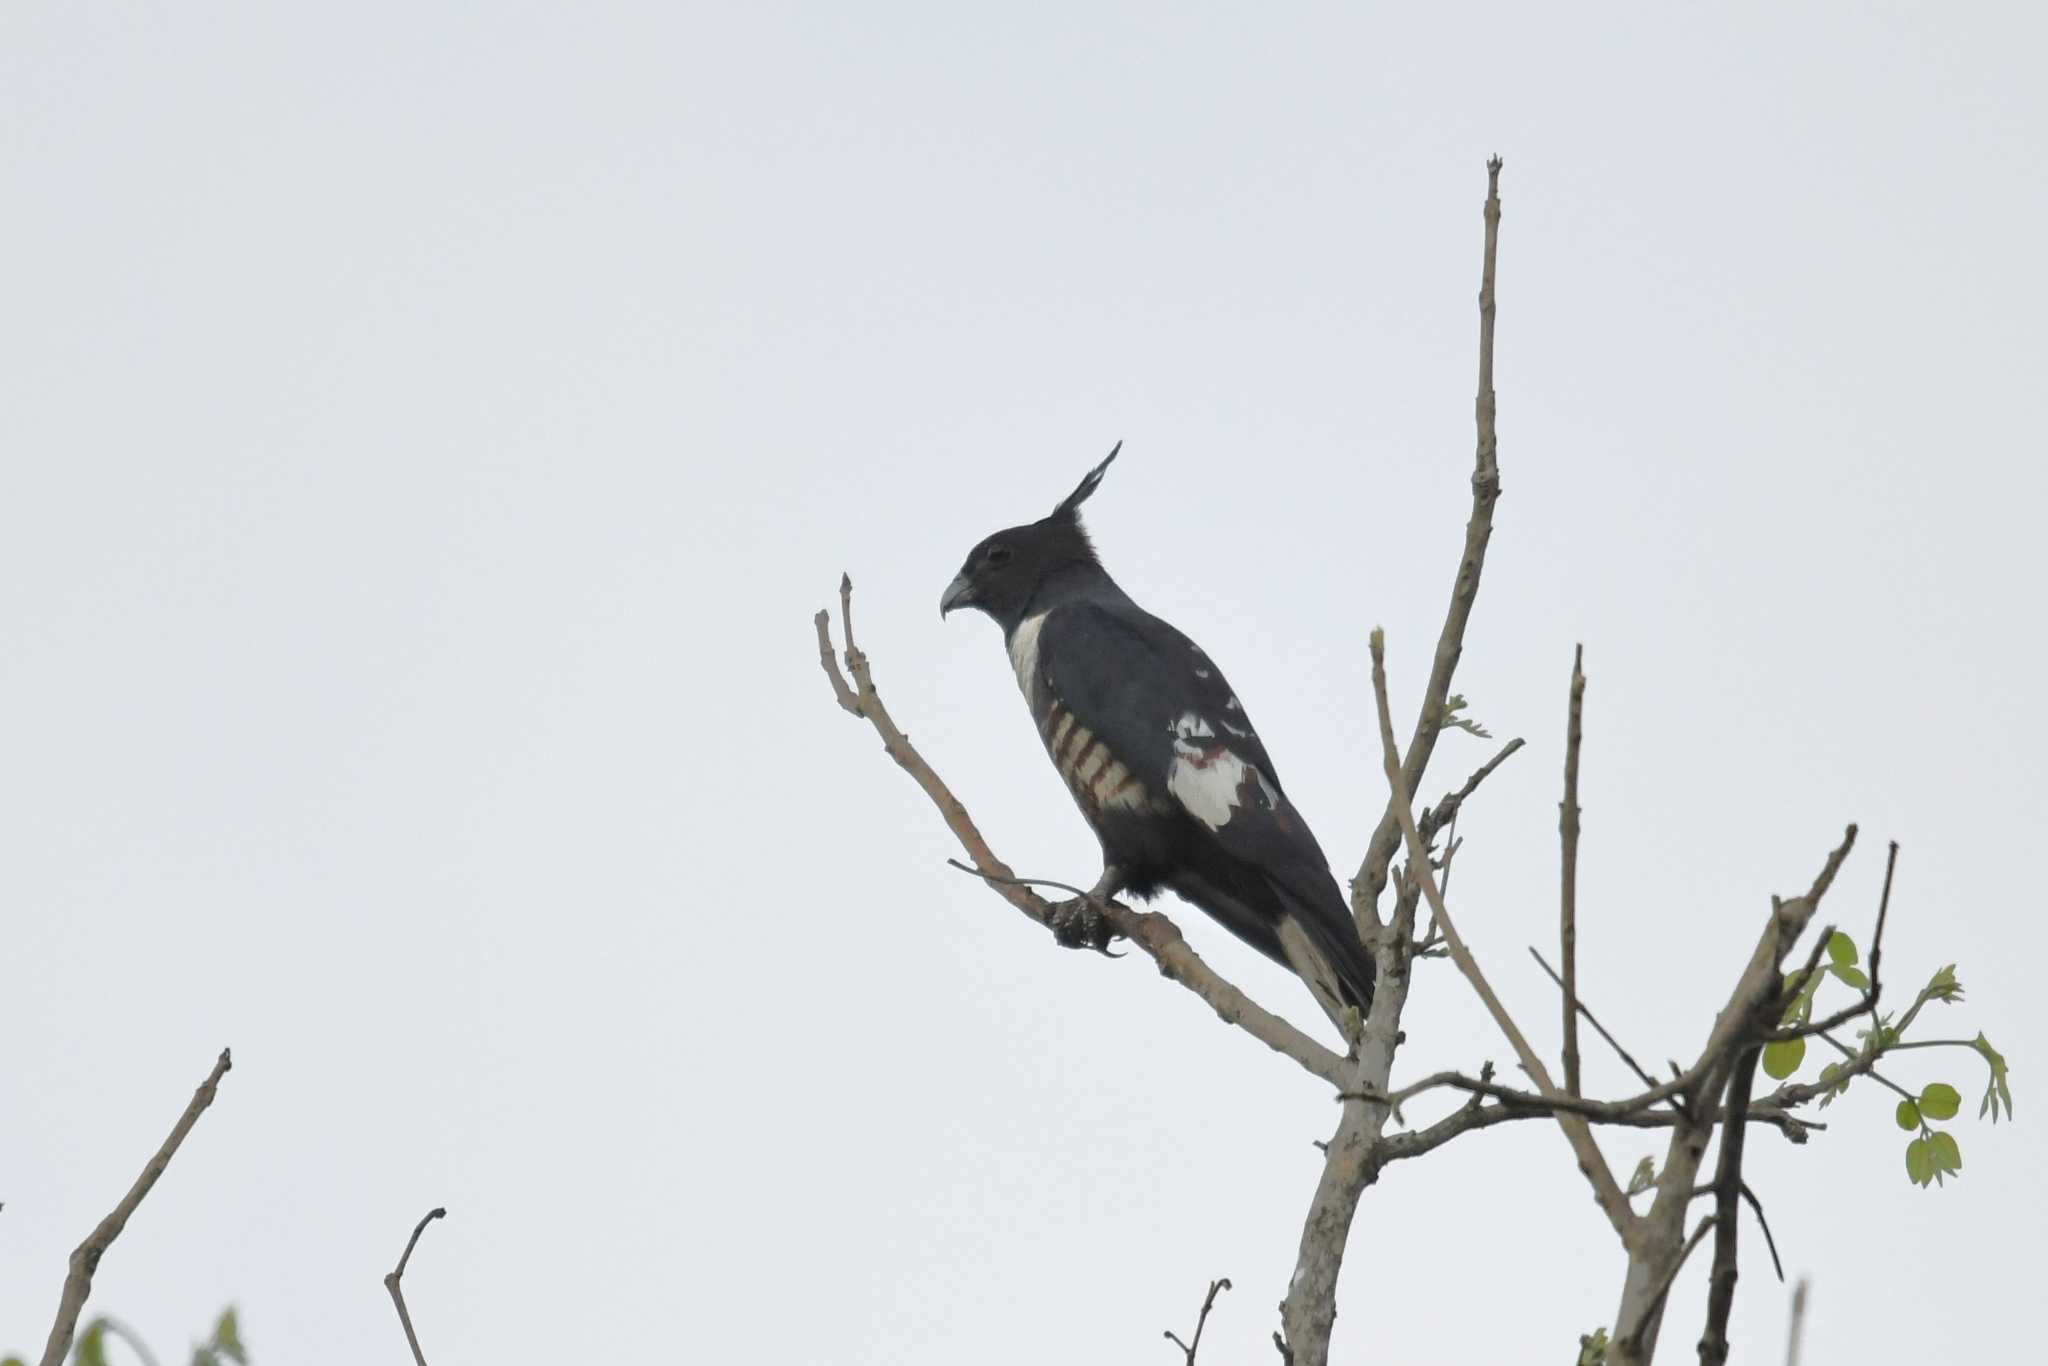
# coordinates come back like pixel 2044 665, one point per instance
pixel 1164 711
pixel 1138 717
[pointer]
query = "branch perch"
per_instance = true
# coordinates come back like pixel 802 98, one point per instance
pixel 1151 931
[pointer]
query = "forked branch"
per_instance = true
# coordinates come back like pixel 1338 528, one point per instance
pixel 397 1274
pixel 1606 1190
pixel 1194 1344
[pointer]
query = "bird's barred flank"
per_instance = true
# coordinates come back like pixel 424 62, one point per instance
pixel 1097 777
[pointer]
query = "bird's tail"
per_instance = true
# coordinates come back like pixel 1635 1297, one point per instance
pixel 1322 946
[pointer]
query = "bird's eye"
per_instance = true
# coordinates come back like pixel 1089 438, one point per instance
pixel 998 554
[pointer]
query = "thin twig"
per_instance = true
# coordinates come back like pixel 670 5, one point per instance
pixel 972 871
pixel 845 694
pixel 1866 1004
pixel 1598 1028
pixel 1684 1255
pixel 1756 1207
pixel 1634 1112
pixel 1452 844
pixel 1568 898
pixel 1606 1190
pixel 1445 813
pixel 398 1273
pixel 86 1258
pixel 1208 1300
pixel 1471 1116
pixel 1797 1330
pixel 1904 1045
pixel 1870 1059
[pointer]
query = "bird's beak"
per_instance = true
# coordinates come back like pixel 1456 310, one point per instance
pixel 959 593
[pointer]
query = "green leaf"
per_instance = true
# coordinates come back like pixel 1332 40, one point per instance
pixel 227 1337
pixel 1919 1163
pixel 1998 1091
pixel 1943 986
pixel 1853 976
pixel 1643 1177
pixel 1800 1008
pixel 1947 1157
pixel 1880 1036
pixel 1908 1115
pixel 1841 950
pixel 13 1361
pixel 1940 1101
pixel 1454 704
pixel 1782 1059
pixel 1829 1078
pixel 1593 1348
pixel 92 1344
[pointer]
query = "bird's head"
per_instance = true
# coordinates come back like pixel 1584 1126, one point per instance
pixel 1005 572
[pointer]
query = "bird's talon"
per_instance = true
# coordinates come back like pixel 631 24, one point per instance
pixel 1079 923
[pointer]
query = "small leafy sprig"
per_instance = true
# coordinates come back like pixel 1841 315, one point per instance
pixel 1933 1155
pixel 1453 716
pixel 223 1347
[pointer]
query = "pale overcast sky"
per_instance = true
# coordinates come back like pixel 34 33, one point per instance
pixel 428 430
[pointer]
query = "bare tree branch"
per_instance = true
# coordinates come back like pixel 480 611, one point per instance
pixel 1445 813
pixel 1728 1187
pixel 1752 1009
pixel 1756 1207
pixel 1476 1115
pixel 1598 1028
pixel 397 1274
pixel 1634 1112
pixel 1606 1190
pixel 1797 1329
pixel 85 1260
pixel 1568 899
pixel 1450 645
pixel 1866 1004
pixel 1189 1348
pixel 1350 1161
pixel 1151 931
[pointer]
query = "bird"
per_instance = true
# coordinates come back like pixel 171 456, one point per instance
pixel 1159 753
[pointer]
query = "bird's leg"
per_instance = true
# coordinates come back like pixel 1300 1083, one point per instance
pixel 1079 923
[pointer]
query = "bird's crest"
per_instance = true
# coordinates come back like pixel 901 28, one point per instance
pixel 1070 506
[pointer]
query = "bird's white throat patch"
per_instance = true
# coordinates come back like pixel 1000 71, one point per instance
pixel 1208 778
pixel 1024 654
